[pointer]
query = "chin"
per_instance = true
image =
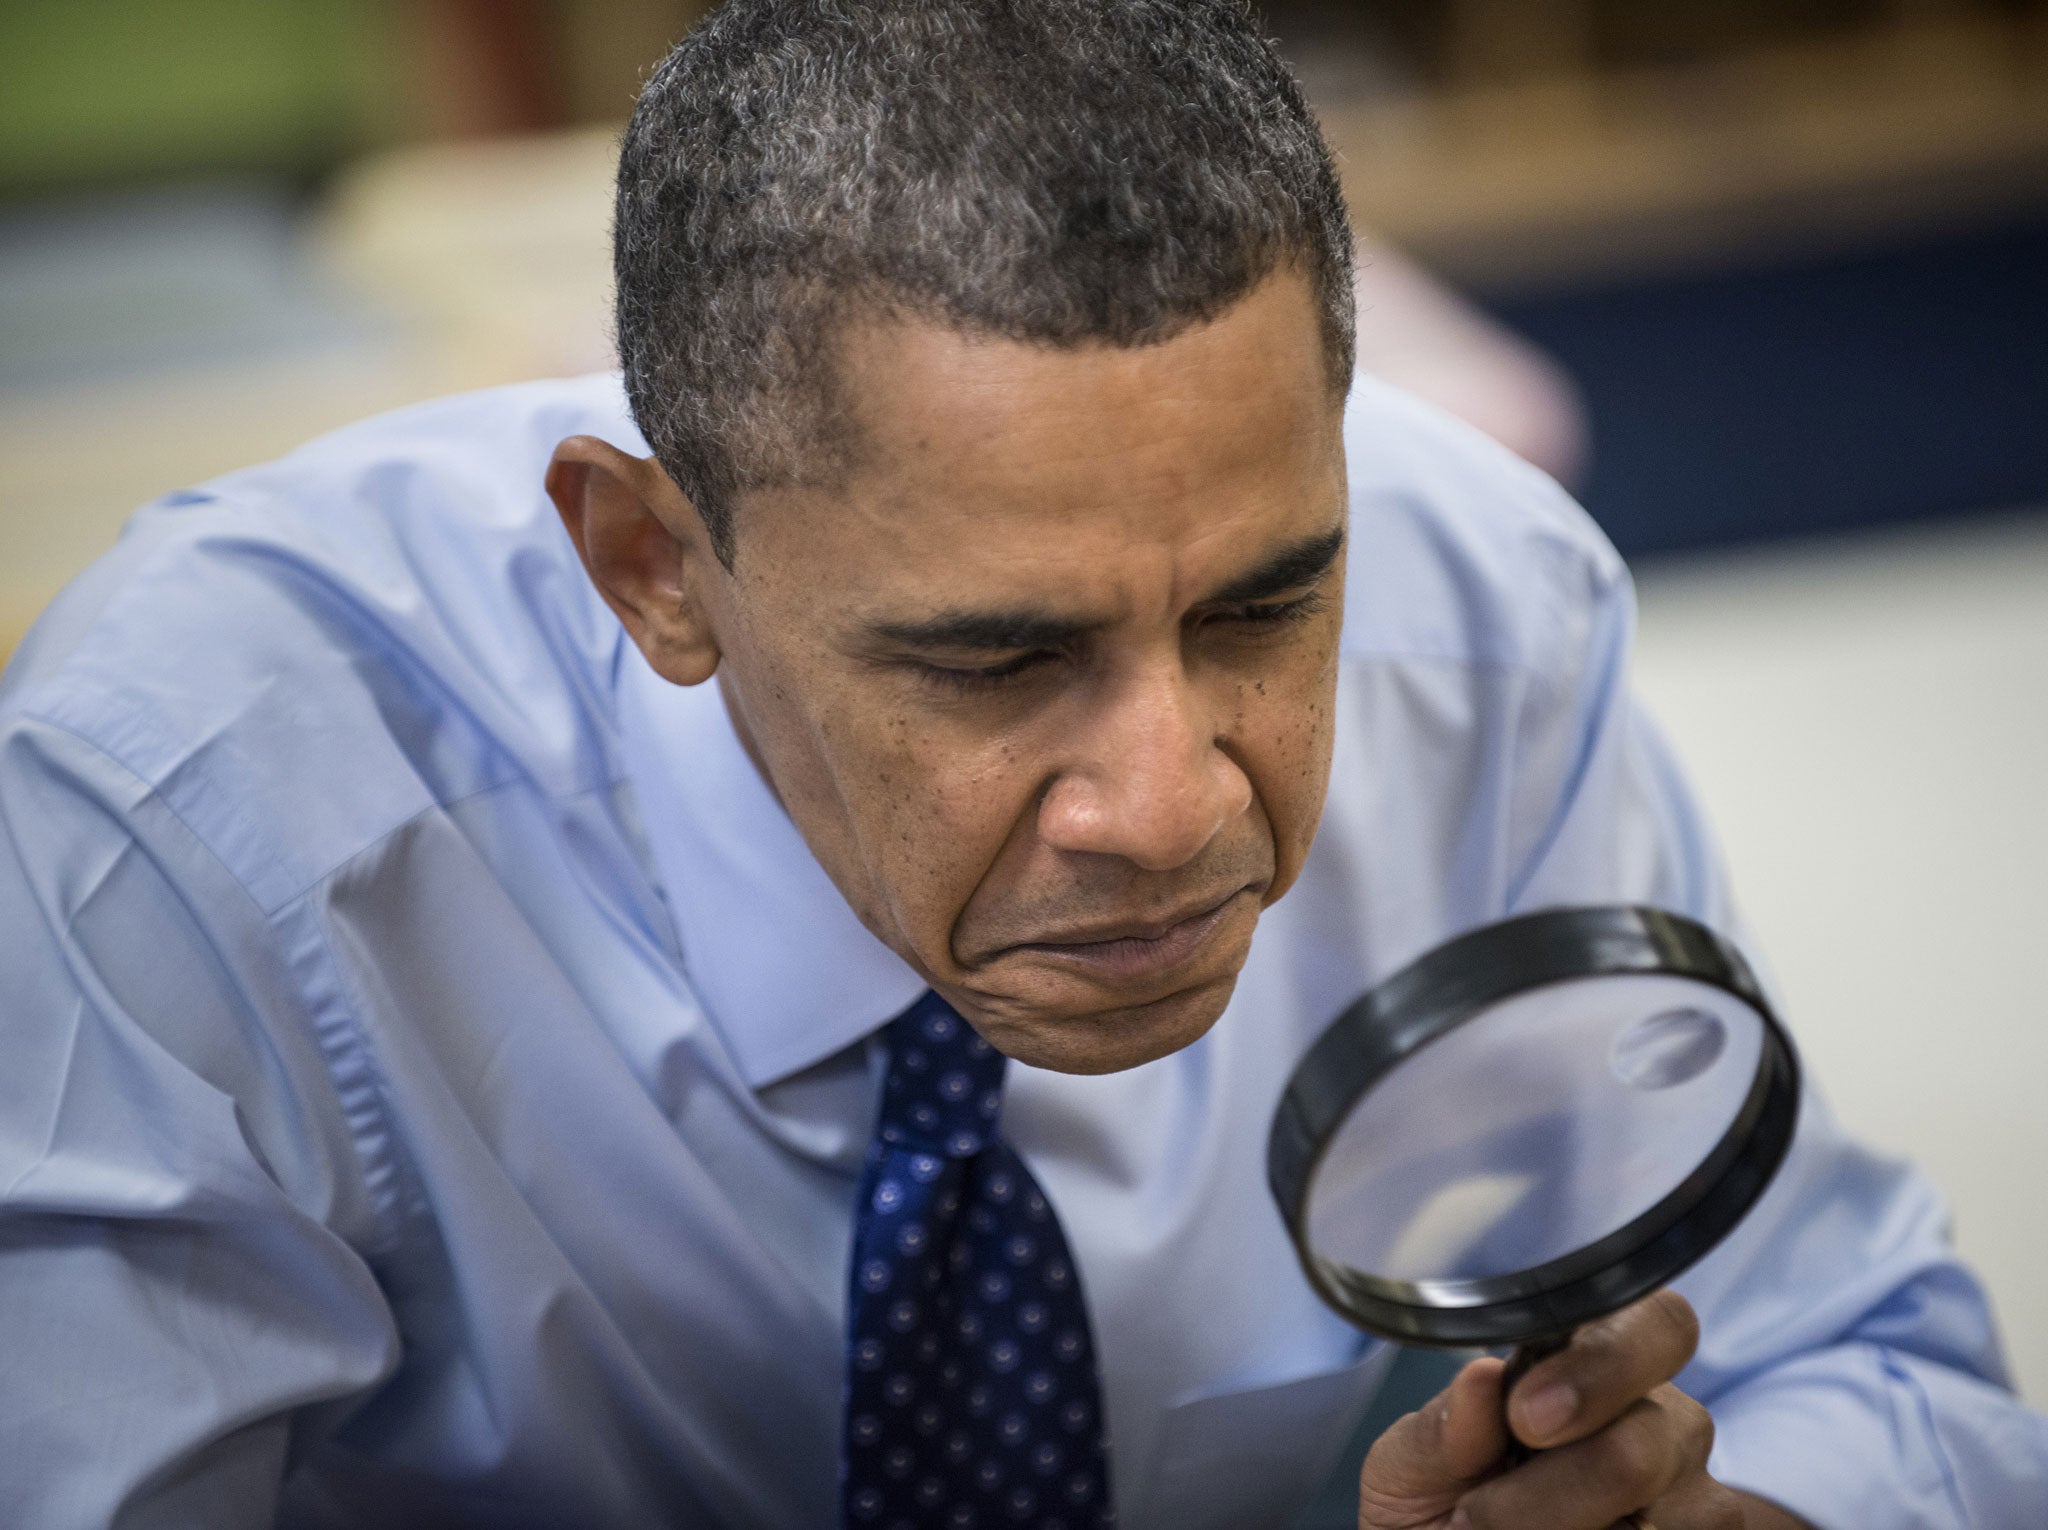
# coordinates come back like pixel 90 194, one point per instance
pixel 1102 1040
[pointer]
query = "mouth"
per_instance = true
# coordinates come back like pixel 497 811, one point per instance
pixel 1135 949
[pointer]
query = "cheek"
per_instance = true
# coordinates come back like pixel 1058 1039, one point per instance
pixel 904 817
pixel 931 814
pixel 844 772
pixel 1287 736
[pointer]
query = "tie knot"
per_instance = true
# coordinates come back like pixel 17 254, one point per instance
pixel 944 1088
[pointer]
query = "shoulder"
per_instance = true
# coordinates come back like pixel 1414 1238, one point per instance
pixel 1461 552
pixel 302 655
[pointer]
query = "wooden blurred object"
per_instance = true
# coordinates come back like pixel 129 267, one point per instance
pixel 482 68
pixel 610 46
pixel 1586 171
pixel 486 67
pixel 1495 40
pixel 498 252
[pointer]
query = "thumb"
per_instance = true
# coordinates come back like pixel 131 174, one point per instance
pixel 1417 1471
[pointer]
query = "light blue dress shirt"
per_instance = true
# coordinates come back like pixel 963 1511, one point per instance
pixel 434 1073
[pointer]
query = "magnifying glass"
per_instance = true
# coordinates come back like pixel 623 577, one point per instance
pixel 1532 1126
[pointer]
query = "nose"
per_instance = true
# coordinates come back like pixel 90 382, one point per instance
pixel 1151 782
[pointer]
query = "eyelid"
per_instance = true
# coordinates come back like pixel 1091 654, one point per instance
pixel 971 677
pixel 1274 610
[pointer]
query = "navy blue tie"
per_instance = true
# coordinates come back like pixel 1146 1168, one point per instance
pixel 971 1390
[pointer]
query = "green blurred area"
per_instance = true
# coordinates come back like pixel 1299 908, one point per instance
pixel 100 92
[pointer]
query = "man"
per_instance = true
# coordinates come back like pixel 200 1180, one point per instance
pixel 484 1007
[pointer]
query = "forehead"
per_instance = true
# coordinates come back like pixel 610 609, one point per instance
pixel 1006 469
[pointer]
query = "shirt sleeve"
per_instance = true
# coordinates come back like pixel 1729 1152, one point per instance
pixel 184 1298
pixel 1848 1358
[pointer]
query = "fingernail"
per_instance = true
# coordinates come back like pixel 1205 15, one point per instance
pixel 1549 1409
pixel 1461 1521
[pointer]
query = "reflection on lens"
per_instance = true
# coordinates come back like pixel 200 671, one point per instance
pixel 1666 1050
pixel 1439 1236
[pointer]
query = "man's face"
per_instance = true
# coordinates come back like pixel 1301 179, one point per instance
pixel 1046 682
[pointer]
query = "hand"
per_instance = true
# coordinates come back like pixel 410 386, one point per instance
pixel 1614 1439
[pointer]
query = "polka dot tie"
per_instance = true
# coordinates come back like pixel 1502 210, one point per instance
pixel 971 1395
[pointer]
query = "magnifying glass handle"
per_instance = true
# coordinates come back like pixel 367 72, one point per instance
pixel 1526 1354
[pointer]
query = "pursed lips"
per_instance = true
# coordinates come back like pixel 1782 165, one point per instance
pixel 1138 948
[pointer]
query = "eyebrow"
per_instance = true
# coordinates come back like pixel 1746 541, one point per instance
pixel 991 630
pixel 1291 567
pixel 1288 568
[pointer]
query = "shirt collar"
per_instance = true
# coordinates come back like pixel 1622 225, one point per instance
pixel 780 962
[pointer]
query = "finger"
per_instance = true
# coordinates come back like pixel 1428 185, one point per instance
pixel 1658 1447
pixel 1474 1430
pixel 1605 1369
pixel 1416 1470
pixel 1698 1504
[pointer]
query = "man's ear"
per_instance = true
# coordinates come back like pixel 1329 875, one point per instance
pixel 645 549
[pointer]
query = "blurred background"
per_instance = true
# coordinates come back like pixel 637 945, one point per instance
pixel 1764 281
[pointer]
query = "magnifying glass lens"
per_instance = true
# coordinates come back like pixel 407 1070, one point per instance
pixel 1543 1124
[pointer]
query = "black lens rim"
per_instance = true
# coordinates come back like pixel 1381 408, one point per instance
pixel 1441 991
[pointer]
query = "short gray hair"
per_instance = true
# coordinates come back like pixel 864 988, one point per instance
pixel 1050 171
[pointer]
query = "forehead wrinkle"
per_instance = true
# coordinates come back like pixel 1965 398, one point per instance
pixel 1031 599
pixel 989 389
pixel 997 594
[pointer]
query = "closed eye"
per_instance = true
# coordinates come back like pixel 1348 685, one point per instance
pixel 1254 615
pixel 1271 613
pixel 980 677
